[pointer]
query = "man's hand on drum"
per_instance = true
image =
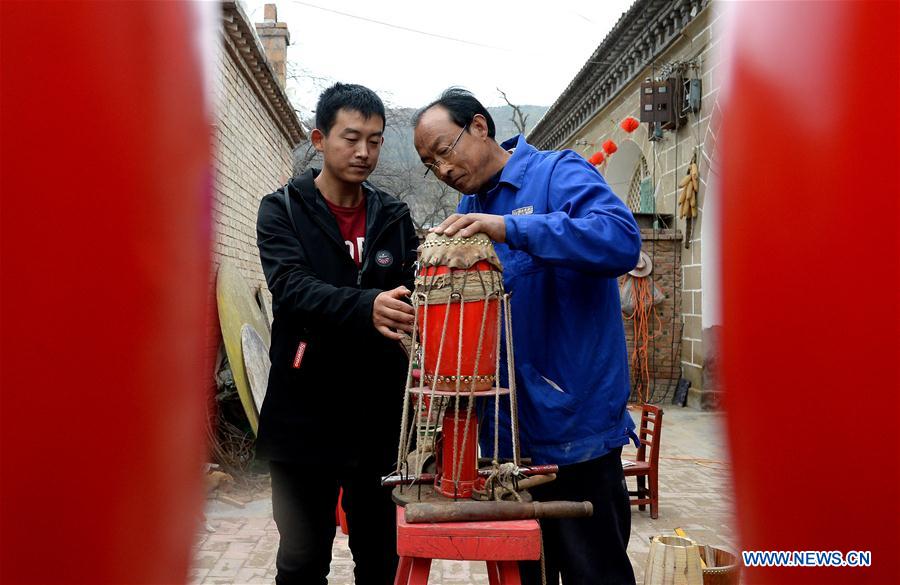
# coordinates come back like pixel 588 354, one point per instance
pixel 391 314
pixel 470 224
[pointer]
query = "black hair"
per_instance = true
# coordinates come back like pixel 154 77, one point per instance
pixel 462 107
pixel 347 96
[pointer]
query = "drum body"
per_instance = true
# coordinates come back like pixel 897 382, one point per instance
pixel 458 325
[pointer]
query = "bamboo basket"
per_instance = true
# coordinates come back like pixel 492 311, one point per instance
pixel 673 560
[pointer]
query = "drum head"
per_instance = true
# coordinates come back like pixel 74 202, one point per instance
pixel 237 307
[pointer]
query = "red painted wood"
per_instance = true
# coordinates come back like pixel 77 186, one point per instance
pixel 469 541
pixel 419 571
pixel 504 573
pixel 403 569
pixel 646 464
pixel 639 468
pixel 493 571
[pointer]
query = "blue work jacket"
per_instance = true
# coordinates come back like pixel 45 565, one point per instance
pixel 568 237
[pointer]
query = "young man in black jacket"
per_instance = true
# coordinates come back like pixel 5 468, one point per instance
pixel 338 257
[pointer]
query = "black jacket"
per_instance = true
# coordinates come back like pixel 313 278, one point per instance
pixel 345 399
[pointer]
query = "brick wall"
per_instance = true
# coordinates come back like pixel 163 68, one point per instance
pixel 252 158
pixel 667 160
pixel 663 246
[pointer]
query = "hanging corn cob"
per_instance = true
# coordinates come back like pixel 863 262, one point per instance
pixel 690 186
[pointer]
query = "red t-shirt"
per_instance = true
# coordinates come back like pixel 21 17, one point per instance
pixel 352 224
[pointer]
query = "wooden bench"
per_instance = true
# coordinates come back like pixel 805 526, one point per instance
pixel 500 544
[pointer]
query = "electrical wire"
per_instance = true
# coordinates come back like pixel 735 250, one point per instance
pixel 642 318
pixel 400 27
pixel 518 51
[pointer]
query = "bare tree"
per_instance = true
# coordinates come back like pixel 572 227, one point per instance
pixel 399 171
pixel 519 119
pixel 308 84
pixel 304 156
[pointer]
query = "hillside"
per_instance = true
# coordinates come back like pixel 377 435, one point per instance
pixel 400 171
pixel 398 136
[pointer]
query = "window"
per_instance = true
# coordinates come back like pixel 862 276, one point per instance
pixel 641 185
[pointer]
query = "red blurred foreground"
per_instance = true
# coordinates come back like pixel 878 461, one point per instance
pixel 810 283
pixel 104 273
pixel 105 228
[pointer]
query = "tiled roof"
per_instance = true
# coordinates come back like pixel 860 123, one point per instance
pixel 242 42
pixel 640 35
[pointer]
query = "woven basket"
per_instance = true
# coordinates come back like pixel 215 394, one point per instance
pixel 673 560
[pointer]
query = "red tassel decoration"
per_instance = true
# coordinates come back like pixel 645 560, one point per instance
pixel 629 124
pixel 596 158
pixel 610 147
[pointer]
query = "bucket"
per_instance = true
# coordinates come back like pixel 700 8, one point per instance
pixel 721 567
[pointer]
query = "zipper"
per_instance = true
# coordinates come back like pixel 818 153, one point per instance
pixel 370 245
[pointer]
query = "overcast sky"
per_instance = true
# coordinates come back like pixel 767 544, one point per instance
pixel 416 49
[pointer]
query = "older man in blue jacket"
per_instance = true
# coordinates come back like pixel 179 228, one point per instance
pixel 563 237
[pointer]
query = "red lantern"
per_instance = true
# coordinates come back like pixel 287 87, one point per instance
pixel 596 158
pixel 629 124
pixel 610 147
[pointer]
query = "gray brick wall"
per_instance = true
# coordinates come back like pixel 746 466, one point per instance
pixel 252 158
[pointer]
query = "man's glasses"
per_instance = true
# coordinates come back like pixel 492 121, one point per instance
pixel 438 163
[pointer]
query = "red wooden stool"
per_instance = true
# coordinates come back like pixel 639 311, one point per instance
pixel 500 544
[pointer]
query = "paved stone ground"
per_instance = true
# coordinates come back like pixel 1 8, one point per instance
pixel 694 489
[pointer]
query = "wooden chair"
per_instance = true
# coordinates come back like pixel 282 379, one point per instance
pixel 645 467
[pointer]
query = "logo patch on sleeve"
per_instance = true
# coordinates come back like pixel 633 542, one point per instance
pixel 524 210
pixel 384 258
pixel 298 357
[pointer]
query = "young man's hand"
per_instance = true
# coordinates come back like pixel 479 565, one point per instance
pixel 470 224
pixel 390 313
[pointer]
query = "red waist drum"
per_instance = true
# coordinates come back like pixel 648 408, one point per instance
pixel 466 295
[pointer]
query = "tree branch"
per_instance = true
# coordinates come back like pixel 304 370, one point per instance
pixel 519 119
